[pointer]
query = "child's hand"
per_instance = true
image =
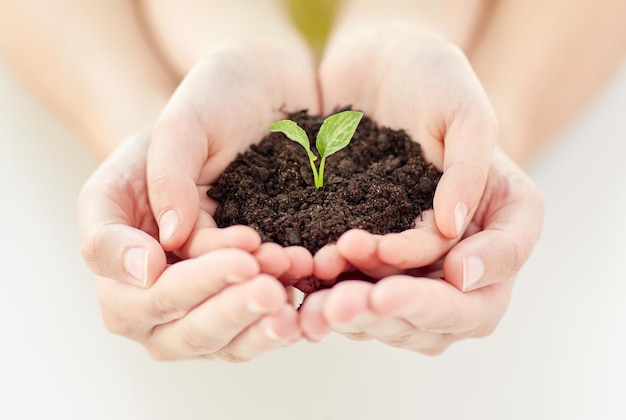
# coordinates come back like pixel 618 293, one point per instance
pixel 463 295
pixel 217 304
pixel 224 104
pixel 426 86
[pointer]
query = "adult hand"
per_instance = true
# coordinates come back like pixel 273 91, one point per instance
pixel 410 80
pixel 225 103
pixel 215 305
pixel 424 310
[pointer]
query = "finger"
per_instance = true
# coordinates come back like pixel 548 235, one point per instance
pixel 132 312
pixel 328 263
pixel 469 142
pixel 216 322
pixel 207 239
pixel 269 333
pixel 123 253
pixel 346 300
pixel 360 249
pixel 505 243
pixel 206 236
pixel 300 266
pixel 391 329
pixel 172 175
pixel 110 213
pixel 272 259
pixel 436 306
pixel 416 247
pixel 312 321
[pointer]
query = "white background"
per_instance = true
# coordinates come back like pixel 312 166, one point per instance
pixel 557 354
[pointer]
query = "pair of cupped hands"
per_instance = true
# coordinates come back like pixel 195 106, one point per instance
pixel 168 278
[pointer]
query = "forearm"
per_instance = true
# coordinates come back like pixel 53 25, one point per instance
pixel 456 21
pixel 92 63
pixel 541 62
pixel 188 30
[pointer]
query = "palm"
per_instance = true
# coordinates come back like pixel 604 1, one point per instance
pixel 427 88
pixel 225 103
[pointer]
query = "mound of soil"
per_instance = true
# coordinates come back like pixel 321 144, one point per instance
pixel 379 182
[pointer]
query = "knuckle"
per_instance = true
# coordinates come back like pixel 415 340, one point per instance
pixel 235 318
pixel 400 341
pixel 197 344
pixel 159 181
pixel 358 336
pixel 232 357
pixel 445 325
pixel 162 310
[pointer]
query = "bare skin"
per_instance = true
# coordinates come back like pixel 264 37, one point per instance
pixel 112 72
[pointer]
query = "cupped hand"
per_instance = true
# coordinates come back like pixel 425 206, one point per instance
pixel 225 103
pixel 407 79
pixel 463 295
pixel 216 305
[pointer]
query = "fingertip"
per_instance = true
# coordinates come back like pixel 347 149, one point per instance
pixel 272 259
pixel 125 254
pixel 301 262
pixel 328 263
pixel 357 243
pixel 143 265
pixel 452 205
pixel 391 294
pixel 242 237
pixel 267 294
pixel 463 268
pixel 473 273
pixel 312 322
pixel 483 259
pixel 176 206
pixel 234 265
pixel 283 325
pixel 391 249
pixel 206 237
pixel 348 298
pixel 169 221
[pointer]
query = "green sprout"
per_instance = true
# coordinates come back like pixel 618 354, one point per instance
pixel 335 134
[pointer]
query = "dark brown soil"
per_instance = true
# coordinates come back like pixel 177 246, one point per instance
pixel 379 182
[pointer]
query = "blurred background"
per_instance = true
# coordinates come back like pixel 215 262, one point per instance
pixel 557 354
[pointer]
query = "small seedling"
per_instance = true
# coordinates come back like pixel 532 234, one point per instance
pixel 335 134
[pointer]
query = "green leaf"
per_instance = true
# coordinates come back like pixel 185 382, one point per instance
pixel 337 131
pixel 294 132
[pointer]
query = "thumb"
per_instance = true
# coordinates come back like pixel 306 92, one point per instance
pixel 468 147
pixel 177 153
pixel 108 211
pixel 509 227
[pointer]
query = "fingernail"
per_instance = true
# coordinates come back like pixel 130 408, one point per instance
pixel 136 264
pixel 460 214
pixel 473 271
pixel 168 223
